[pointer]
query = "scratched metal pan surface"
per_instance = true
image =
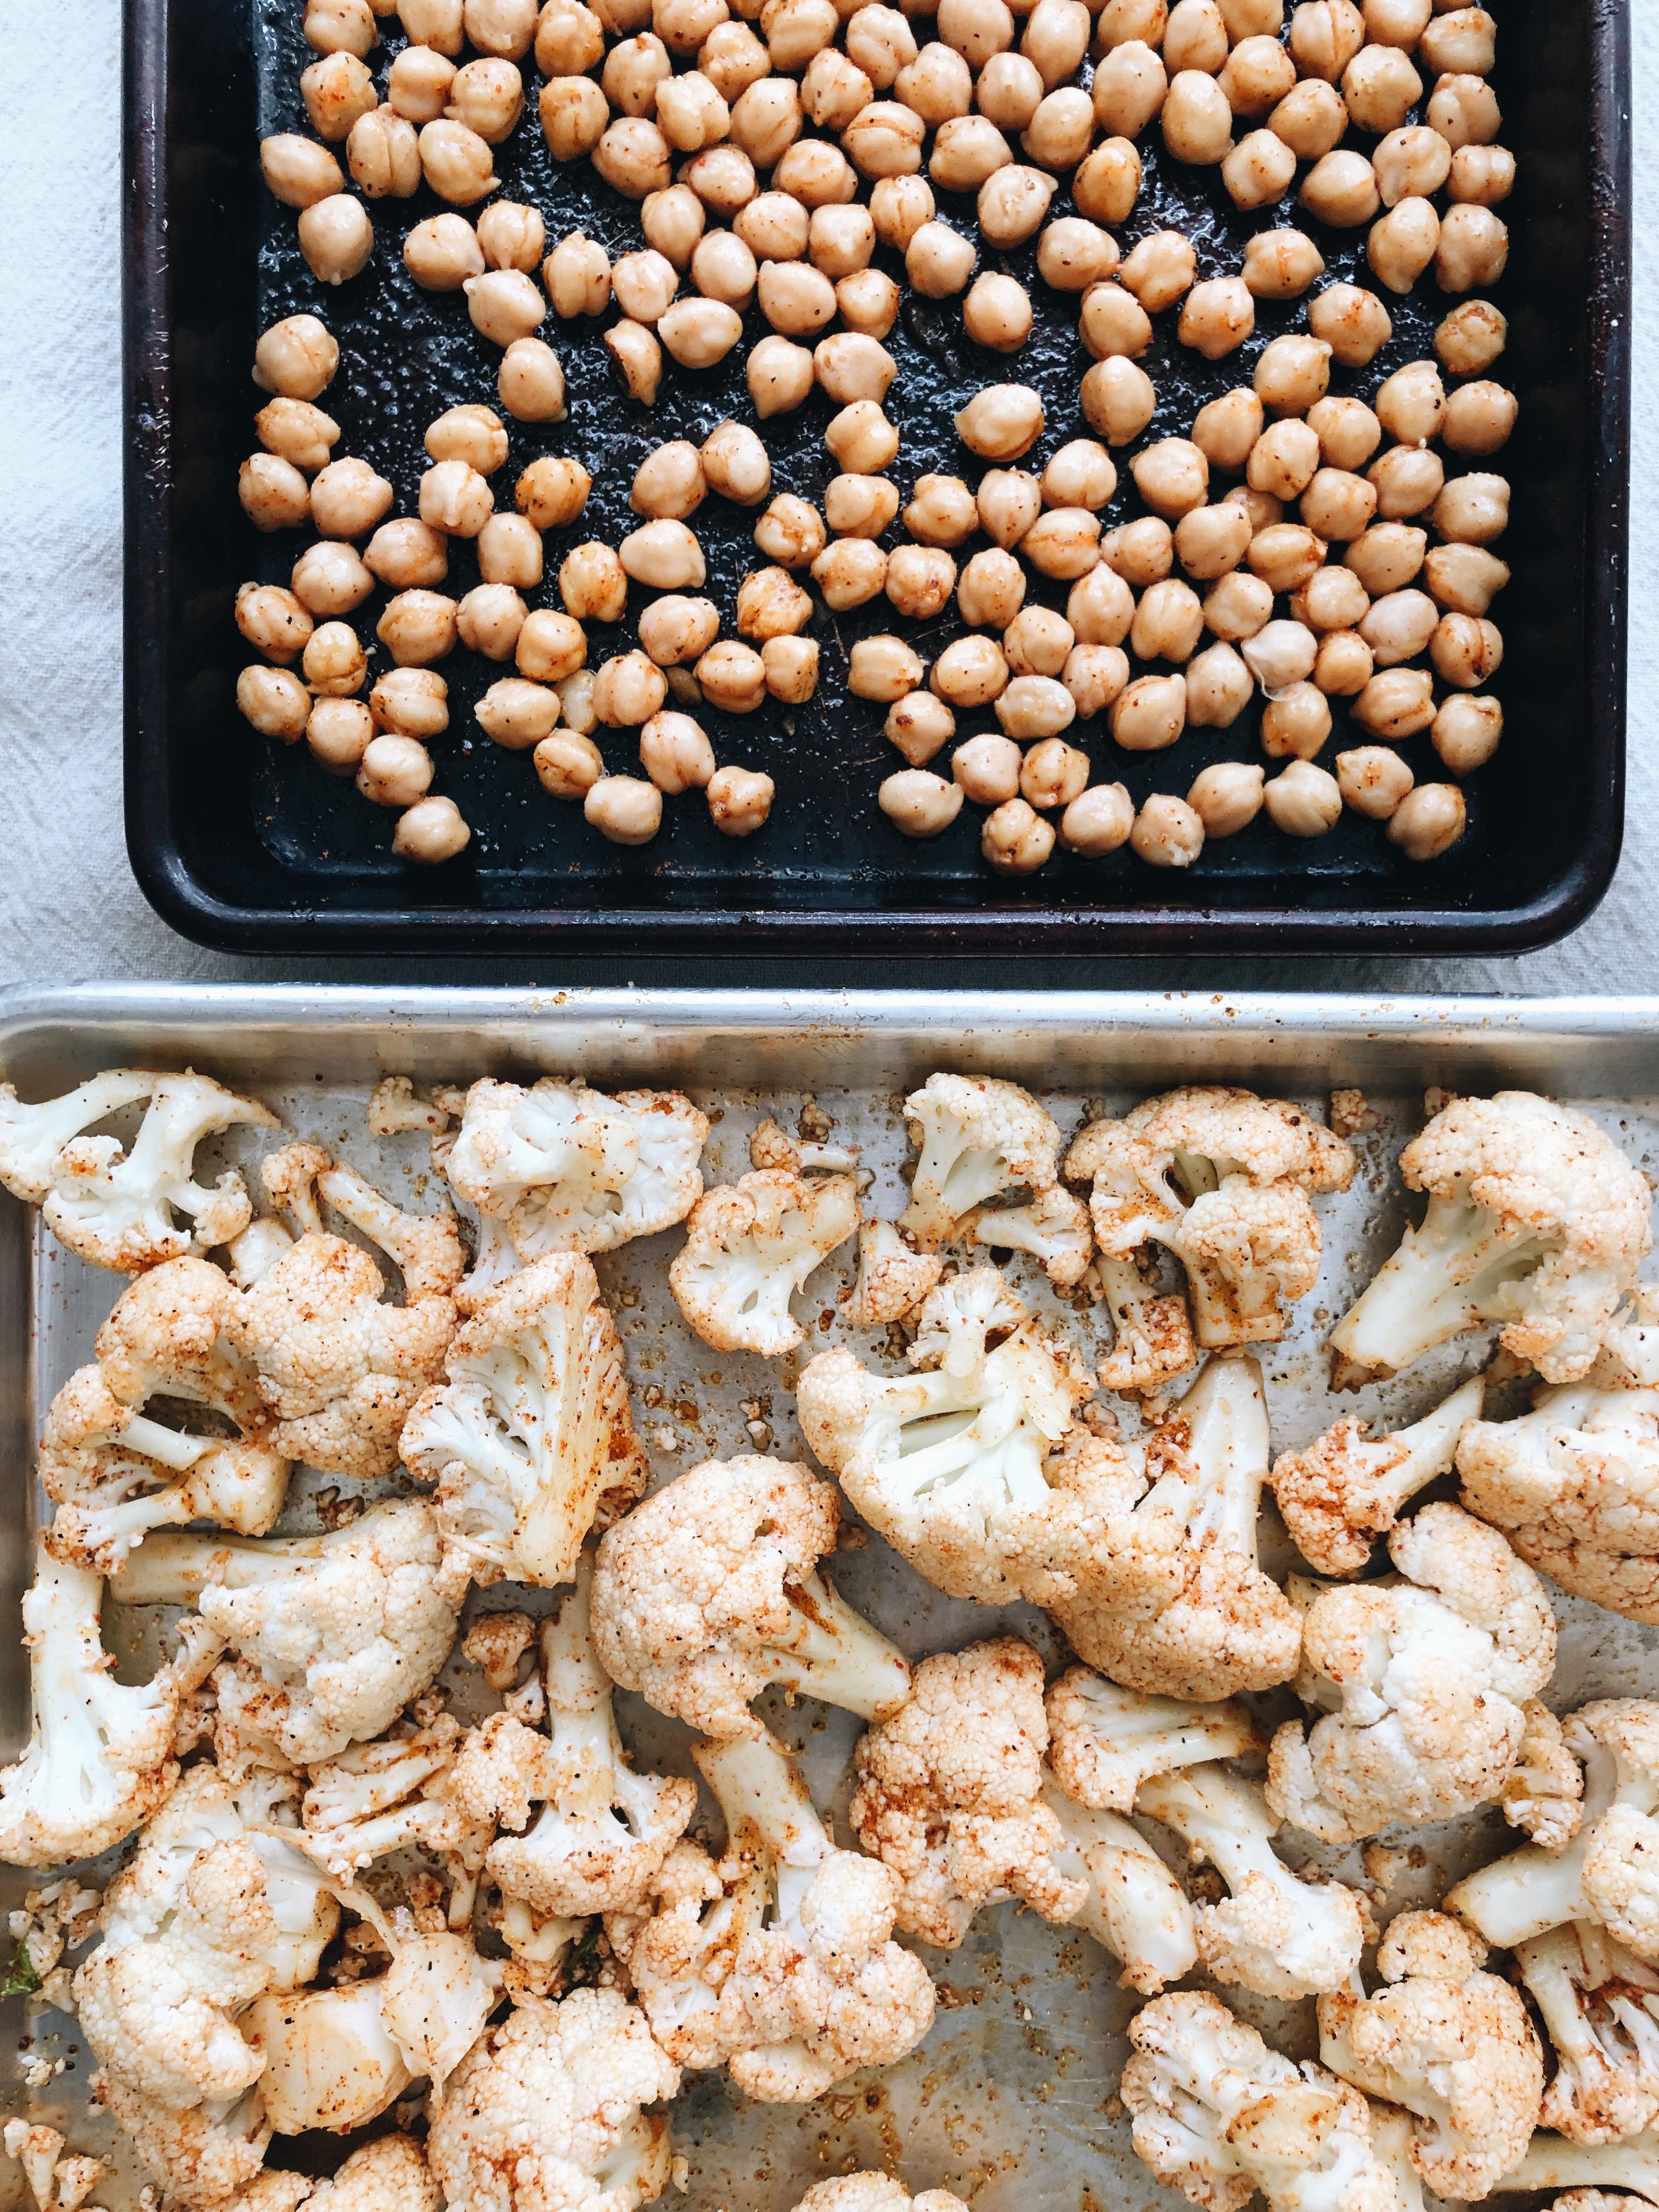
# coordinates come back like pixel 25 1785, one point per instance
pixel 1010 2101
pixel 244 843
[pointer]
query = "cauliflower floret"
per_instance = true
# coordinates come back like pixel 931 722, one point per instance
pixel 605 1830
pixel 1535 1219
pixel 1222 1178
pixel 1135 1908
pixel 544 2113
pixel 100 1758
pixel 875 2192
pixel 1588 2172
pixel 115 1473
pixel 531 1439
pixel 1170 1596
pixel 115 1207
pixel 1544 1792
pixel 791 1976
pixel 948 1464
pixel 950 1794
pixel 1574 1484
pixel 1453 2045
pixel 749 1245
pixel 1106 1741
pixel 389 2174
pixel 394 1109
pixel 977 1135
pixel 569 1169
pixel 205 2156
pixel 336 1632
pixel 340 1366
pixel 381 1797
pixel 1348 1488
pixel 1425 1681
pixel 1054 1228
pixel 1603 1875
pixel 892 1279
pixel 1217 2116
pixel 1153 1329
pixel 1277 1935
pixel 1600 2004
pixel 710 1589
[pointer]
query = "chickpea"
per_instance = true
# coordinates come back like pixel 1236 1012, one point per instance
pixel 842 240
pixel 489 619
pixel 628 691
pixel 297 172
pixel 334 27
pixel 1284 556
pixel 1312 119
pixel 882 668
pixel 1150 714
pixel 1463 578
pixel 577 275
pixel 645 285
pixel 1167 833
pixel 849 574
pixel 885 140
pixel 1265 511
pixel 436 23
pixel 834 90
pixel 1483 174
pixel 700 332
pixel 817 174
pixel 1211 541
pixel 1098 822
pixel 504 29
pixel 1258 74
pixel 736 464
pixel 1015 840
pixel 1131 22
pixel 770 604
pixel 1196 119
pixel 1464 110
pixel 1395 704
pixel 1408 480
pixel 1100 608
pixel 406 553
pixel 505 305
pixel 792 669
pixel 966 151
pixel 329 579
pixel 1473 248
pixel 1095 675
pixel 593 582
pixel 274 493
pixel 1260 170
pixel 674 631
pixel 1353 323
pixel 1345 664
pixel 1380 87
pixel 691 115
pixel 796 299
pixel 1295 721
pixel 1303 800
pixel 1001 421
pixel 1402 246
pixel 1411 164
pixel 1411 404
pixel 296 432
pixel 1280 655
pixel 937 84
pixel 418 628
pixel 632 156
pixel 1397 22
pixel 1056 38
pixel 576 702
pixel 670 482
pixel 338 732
pixel 987 769
pixel 1386 558
pixel 623 809
pixel 992 590
pixel 683 24
pixel 970 672
pixel 336 237
pixel 864 442
pixel 1349 432
pixel 1466 732
pixel 573 116
pixel 1008 503
pixel 552 492
pixel 1219 687
pixel 918 803
pixel 1237 606
pixel 919 724
pixel 1284 459
pixel 938 261
pixel 1332 599
pixel 766 121
pixel 791 532
pixel 997 313
pixel 1226 796
pixel 859 507
pixel 1131 86
pixel 1037 643
pixel 1073 255
pixel 942 511
pixel 412 701
pixel 442 252
pixel 1118 400
pixel 1160 271
pixel 569 39
pixel 733 677
pixel 899 206
pixel 1168 622
pixel 1082 474
pixel 1227 429
pixel 457 164
pixel 1052 773
pixel 1058 135
pixel 1339 506
pixel 394 771
pixel 1106 186
pixel 274 701
pixel 634 72
pixel 1140 552
pixel 1428 821
pixel 568 764
pixel 1341 189
pixel 431 831
pixel 418 83
pixel 1373 781
pixel 976 29
pixel 1114 325
pixel 1472 510
pixel 796 30
pixel 921 578
pixel 272 620
pixel 1292 373
pixel 774 228
pixel 455 499
pixel 1466 651
pixel 348 499
pixel 663 553
pixel 1195 37
pixel 673 222
pixel 1464 40
pixel 471 434
pixel 488 97
pixel 1172 476
pixel 1217 318
pixel 779 375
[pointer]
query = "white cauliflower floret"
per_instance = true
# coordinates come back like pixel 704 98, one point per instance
pixel 604 1830
pixel 1054 1228
pixel 1217 2116
pixel 1450 2043
pixel 1348 1488
pixel 1153 1329
pixel 569 1169
pixel 1106 1741
pixel 1169 1598
pixel 892 1279
pixel 113 1471
pixel 977 1135
pixel 1425 1682
pixel 948 1464
pixel 376 1798
pixel 1277 1935
pixel 710 1589
pixel 117 1208
pixel 1589 2171
pixel 205 2156
pixel 1535 1219
pixel 389 2174
pixel 1600 2004
pixel 749 1246
pixel 531 1439
pixel 1135 1908
pixel 790 1976
pixel 544 2113
pixel 1606 1874
pixel 950 1794
pixel 1221 1177
pixel 336 1632
pixel 1544 1792
pixel 1574 1484
pixel 339 1365
pixel 100 1758
pixel 874 2192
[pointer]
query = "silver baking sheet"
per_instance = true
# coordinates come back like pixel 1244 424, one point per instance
pixel 1010 2101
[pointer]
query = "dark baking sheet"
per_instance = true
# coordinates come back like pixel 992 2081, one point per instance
pixel 248 845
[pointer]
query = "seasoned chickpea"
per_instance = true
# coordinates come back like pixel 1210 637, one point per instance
pixel 456 499
pixel 691 115
pixel 1095 675
pixel 1106 186
pixel 997 313
pixel 1397 22
pixel 1402 246
pixel 576 700
pixel 272 620
pixel 329 579
pixel 1196 119
pixel 1407 479
pixel 645 285
pixel 919 724
pixel 1483 174
pixel 1464 110
pixel 442 252
pixel 489 619
pixel 418 82
pixel 736 464
pixel 274 701
pixel 631 154
pixel 1411 164
pixel 504 29
pixel 864 442
pixel 796 30
pixel 938 261
pixel 457 164
pixel 1168 623
pixel 552 491
pixel 937 85
pixel 436 23
pixel 340 733
pixel 336 27
pixel 920 579
pixel 1237 606
pixel 840 239
pixel 1341 189
pixel 683 24
pixel 700 332
pixel 1466 732
pixel 1259 171
pixel 1058 135
pixel 1461 39
pixel 1264 510
pixel 968 150
pixel 1195 37
pixel 418 627
pixel 817 174
pixel 849 573
pixel 1225 429
pixel 510 552
pixel 1339 506
pixel 1009 92
pixel 1372 780
pixel 673 222
pixel 860 506
pixel 1472 510
pixel 1160 271
pixel 514 713
pixel 1073 255
pixel 986 769
pixel 834 90
pixel 1217 317
pixel 1411 404
pixel 796 299
pixel 674 631
pixel 1219 687
pixel 1053 773
pixel 1296 722
pixel 431 831
pixel 1015 840
pixel 664 553
pixel 970 672
pixel 1303 800
pixel 394 771
pixel 412 701
pixel 1082 474
pixel 992 590
pixel 770 604
pixel 882 668
pixel 1131 87
pixel 765 123
pixel 336 237
pixel 1380 89
pixel 734 676
pixel 1479 419
pixel 471 434
pixel 569 39
pixel 791 532
pixel 568 764
pixel 348 499
pixel 275 495
pixel 898 207
pixel 1100 608
pixel 505 305
pixel 1001 421
pixel 1428 821
pixel 1344 665
pixel 407 552
pixel 1142 552
pixel 1167 833
pixel 594 583
pixel 624 808
pixel 1332 599
pixel 1037 643
pixel 1349 432
pixel 1008 503
pixel 976 29
pixel 1150 714
pixel 1353 323
pixel 779 375
pixel 297 432
pixel 1172 476
pixel 1258 74
pixel 1114 325
pixel 1211 541
pixel 1284 459
pixel 942 511
pixel 1226 796
pixel 1279 656
pixel 885 140
pixel 577 275
pixel 1466 651
pixel 1056 38
pixel 1386 558
pixel 1395 704
pixel 488 97
pixel 573 114
pixel 628 691
pixel 1312 119
pixel 1284 555
pixel 297 171
pixel 774 228
pixel 1118 399
pixel 1098 822
pixel 918 803
pixel 670 482
pixel 1464 579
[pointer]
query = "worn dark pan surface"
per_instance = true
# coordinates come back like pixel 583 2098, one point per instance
pixel 250 846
